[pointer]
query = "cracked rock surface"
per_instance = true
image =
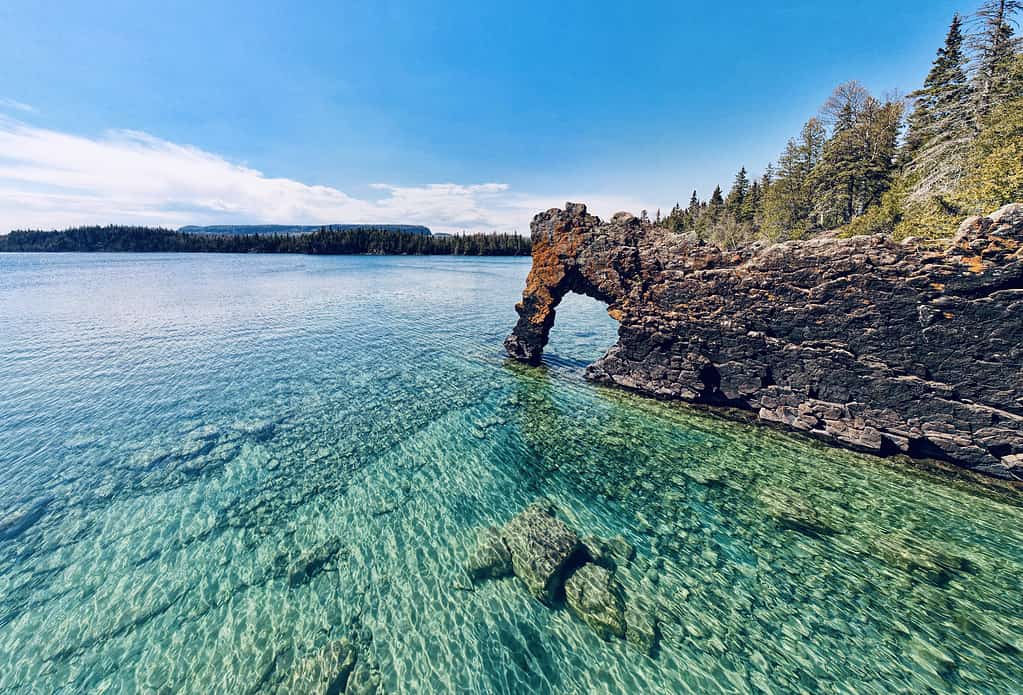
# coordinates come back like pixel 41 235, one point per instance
pixel 886 347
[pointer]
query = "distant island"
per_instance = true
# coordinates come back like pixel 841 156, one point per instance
pixel 332 240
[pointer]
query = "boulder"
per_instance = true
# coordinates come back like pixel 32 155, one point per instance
pixel 490 559
pixel 542 550
pixel 594 596
pixel 324 671
pixel 364 680
pixel 641 628
pixel 609 552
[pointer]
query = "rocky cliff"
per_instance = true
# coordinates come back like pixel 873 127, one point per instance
pixel 877 345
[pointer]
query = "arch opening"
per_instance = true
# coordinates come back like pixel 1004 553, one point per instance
pixel 581 333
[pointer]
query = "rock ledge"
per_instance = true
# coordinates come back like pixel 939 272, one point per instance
pixel 872 344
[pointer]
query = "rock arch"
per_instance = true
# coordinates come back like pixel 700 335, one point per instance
pixel 568 258
pixel 887 347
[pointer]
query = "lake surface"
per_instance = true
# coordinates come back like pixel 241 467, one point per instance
pixel 213 466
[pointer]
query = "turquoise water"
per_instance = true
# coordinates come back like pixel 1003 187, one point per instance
pixel 213 466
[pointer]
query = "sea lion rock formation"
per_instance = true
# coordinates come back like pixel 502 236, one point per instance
pixel 913 347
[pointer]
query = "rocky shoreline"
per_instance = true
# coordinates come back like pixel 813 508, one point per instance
pixel 911 348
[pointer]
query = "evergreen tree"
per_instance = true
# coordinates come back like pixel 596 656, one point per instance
pixel 944 99
pixel 994 170
pixel 788 204
pixel 694 210
pixel 858 160
pixel 717 201
pixel 751 207
pixel 736 201
pixel 941 126
pixel 994 45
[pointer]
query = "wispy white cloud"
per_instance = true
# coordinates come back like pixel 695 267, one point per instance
pixel 50 179
pixel 13 105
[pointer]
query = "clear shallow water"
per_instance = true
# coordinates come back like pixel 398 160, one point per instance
pixel 211 465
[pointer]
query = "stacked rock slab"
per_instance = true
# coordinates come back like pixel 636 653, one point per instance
pixel 887 347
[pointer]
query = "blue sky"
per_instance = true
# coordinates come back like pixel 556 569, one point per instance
pixel 457 114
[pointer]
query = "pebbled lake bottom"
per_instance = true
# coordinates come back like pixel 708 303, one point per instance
pixel 249 474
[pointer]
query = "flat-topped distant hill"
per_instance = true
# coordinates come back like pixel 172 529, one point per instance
pixel 241 229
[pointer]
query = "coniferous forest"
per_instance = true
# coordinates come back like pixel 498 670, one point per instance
pixel 913 166
pixel 326 241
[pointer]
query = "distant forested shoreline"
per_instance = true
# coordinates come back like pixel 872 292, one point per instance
pixel 326 241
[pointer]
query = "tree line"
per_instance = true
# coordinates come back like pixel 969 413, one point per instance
pixel 323 241
pixel 909 167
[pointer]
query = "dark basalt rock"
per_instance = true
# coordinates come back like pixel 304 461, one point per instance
pixel 869 343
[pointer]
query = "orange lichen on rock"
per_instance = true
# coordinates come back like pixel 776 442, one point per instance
pixel 973 263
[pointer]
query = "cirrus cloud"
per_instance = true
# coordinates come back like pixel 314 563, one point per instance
pixel 50 179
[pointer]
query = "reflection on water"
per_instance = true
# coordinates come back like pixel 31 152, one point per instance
pixel 213 469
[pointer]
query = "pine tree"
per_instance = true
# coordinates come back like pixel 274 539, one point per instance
pixel 751 207
pixel 859 159
pixel 944 98
pixel 694 208
pixel 716 203
pixel 736 200
pixel 994 45
pixel 942 125
pixel 787 200
pixel 836 177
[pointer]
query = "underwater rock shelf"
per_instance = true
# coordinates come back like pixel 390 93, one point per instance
pixel 560 569
pixel 880 346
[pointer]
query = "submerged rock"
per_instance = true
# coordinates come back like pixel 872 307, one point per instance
pixel 792 511
pixel 542 550
pixel 323 672
pixel 259 430
pixel 490 559
pixel 553 564
pixel 593 596
pixel 918 557
pixel 364 679
pixel 609 552
pixel 871 344
pixel 641 628
pixel 16 521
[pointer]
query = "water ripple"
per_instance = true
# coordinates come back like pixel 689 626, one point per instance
pixel 212 468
